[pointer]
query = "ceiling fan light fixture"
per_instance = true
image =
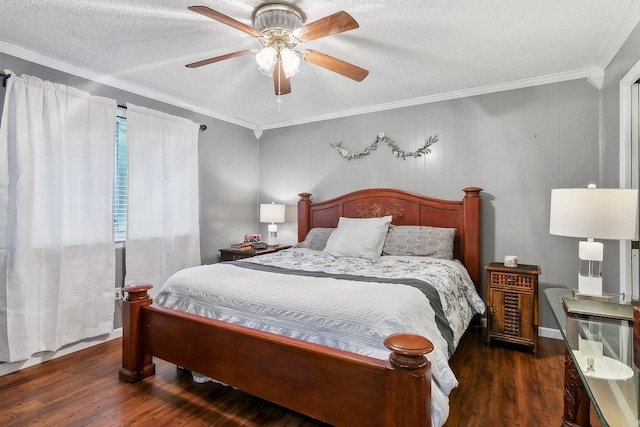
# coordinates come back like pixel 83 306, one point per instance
pixel 290 62
pixel 267 59
pixel 280 27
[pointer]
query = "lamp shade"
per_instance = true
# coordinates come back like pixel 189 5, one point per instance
pixel 598 213
pixel 271 212
pixel 267 59
pixel 290 62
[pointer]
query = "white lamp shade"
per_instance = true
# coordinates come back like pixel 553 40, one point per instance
pixel 271 212
pixel 599 213
pixel 266 60
pixel 290 62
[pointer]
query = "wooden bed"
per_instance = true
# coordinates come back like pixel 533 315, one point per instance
pixel 331 385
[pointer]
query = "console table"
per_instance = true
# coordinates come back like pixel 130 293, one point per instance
pixel 598 365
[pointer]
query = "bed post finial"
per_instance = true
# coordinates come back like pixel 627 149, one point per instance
pixel 408 350
pixel 137 363
pixel 472 191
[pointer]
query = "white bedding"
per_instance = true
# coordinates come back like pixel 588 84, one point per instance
pixel 351 315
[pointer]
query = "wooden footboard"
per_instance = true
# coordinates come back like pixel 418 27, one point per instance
pixel 334 386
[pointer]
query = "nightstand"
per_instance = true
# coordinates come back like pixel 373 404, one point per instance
pixel 512 304
pixel 232 254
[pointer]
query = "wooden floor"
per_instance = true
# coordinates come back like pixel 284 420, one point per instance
pixel 499 385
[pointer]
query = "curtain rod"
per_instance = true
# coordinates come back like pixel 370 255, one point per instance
pixel 4 79
pixel 202 127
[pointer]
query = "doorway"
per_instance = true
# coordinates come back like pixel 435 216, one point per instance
pixel 630 174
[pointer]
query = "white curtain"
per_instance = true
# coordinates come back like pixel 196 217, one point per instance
pixel 163 231
pixel 57 252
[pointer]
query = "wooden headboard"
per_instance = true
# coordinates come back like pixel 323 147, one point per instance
pixel 406 209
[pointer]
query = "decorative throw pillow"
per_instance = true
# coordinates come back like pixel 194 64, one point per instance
pixel 316 239
pixel 359 237
pixel 416 240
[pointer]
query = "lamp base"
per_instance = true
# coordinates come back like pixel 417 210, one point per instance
pixel 589 285
pixel 272 239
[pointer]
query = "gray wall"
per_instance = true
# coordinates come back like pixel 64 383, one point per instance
pixel 610 117
pixel 625 59
pixel 516 144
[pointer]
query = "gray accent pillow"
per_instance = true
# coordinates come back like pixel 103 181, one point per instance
pixel 316 239
pixel 417 240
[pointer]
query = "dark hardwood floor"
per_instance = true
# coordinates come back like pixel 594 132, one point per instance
pixel 499 385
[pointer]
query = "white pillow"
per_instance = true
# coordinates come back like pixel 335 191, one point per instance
pixel 359 237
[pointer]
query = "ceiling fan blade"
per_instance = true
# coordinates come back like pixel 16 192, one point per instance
pixel 218 59
pixel 281 83
pixel 337 23
pixel 213 14
pixel 336 65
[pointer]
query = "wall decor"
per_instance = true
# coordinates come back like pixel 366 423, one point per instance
pixel 395 149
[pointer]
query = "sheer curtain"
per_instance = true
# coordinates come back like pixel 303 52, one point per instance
pixel 57 252
pixel 163 231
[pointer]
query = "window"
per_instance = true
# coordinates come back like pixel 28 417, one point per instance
pixel 120 181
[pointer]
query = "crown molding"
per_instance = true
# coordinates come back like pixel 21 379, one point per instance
pixel 114 82
pixel 596 76
pixel 464 93
pixel 57 64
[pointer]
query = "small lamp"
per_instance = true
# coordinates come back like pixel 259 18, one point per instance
pixel 272 213
pixel 593 213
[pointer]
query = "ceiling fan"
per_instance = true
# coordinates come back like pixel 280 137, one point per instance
pixel 279 27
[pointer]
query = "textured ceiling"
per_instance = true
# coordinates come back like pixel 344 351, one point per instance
pixel 413 49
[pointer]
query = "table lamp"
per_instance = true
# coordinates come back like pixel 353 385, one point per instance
pixel 593 213
pixel 272 213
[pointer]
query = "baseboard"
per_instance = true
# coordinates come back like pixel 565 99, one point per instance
pixel 7 368
pixel 542 331
pixel 549 333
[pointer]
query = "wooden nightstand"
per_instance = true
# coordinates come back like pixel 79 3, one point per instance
pixel 512 304
pixel 232 254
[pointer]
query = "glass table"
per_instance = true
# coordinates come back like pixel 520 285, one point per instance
pixel 599 360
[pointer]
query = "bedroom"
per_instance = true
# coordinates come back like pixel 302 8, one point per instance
pixel 516 142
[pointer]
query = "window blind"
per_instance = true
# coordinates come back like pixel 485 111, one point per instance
pixel 120 181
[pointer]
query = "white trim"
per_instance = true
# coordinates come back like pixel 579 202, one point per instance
pixel 48 61
pixel 635 179
pixel 7 368
pixel 625 166
pixel 457 94
pixel 549 333
pixel 542 331
pixel 596 76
